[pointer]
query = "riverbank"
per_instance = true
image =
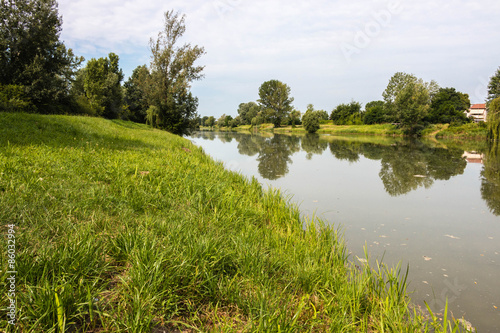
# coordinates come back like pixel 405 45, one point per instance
pixel 120 227
pixel 470 131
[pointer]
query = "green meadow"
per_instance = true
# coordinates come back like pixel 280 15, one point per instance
pixel 124 228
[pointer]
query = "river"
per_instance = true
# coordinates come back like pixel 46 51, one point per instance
pixel 432 205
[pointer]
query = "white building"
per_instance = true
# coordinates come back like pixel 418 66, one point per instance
pixel 478 112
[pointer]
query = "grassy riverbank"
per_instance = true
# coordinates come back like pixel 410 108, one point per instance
pixel 121 228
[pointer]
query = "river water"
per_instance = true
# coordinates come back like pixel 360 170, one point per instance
pixel 430 204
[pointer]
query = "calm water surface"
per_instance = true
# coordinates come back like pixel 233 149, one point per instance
pixel 433 205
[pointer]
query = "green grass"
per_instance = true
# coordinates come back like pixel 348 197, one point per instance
pixel 467 131
pixel 122 228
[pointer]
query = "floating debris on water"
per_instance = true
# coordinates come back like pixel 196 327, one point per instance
pixel 427 258
pixel 467 325
pixel 383 236
pixel 425 282
pixel 452 237
pixel 364 261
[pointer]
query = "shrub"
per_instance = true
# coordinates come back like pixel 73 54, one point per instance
pixel 310 121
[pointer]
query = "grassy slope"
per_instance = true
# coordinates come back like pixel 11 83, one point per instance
pixel 132 229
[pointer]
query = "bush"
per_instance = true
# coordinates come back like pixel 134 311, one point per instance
pixel 310 121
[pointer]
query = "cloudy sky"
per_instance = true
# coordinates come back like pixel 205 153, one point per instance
pixel 328 51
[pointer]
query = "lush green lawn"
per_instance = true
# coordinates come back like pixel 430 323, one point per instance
pixel 119 227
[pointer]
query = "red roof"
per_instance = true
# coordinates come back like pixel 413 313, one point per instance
pixel 478 106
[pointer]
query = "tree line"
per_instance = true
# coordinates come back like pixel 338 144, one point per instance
pixel 39 74
pixel 408 102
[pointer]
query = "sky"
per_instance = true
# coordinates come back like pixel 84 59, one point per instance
pixel 327 51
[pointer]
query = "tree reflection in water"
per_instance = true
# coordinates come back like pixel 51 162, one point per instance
pixel 405 164
pixel 490 179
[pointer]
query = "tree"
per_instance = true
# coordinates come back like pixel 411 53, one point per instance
pixel 102 85
pixel 210 121
pixel 494 87
pixel 347 114
pixel 172 71
pixel 275 101
pixel 247 111
pixel 448 105
pixel 407 100
pixel 411 106
pixel 31 54
pixel 295 117
pixel 310 121
pixel 135 97
pixel 396 84
pixel 494 119
pixel 374 113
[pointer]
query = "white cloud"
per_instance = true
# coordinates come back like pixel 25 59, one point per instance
pixel 300 43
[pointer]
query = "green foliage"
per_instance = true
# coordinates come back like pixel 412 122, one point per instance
pixel 494 87
pixel 448 106
pixel 310 121
pixel 407 101
pixel 210 121
pixel 102 85
pixel 493 119
pixel 275 101
pixel 32 56
pixel 295 118
pixel 347 114
pixel 374 113
pixel 247 111
pixel 411 107
pixel 135 97
pixel 172 71
pixel 13 98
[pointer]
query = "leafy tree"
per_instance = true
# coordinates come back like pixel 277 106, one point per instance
pixel 102 85
pixel 323 115
pixel 295 118
pixel 494 87
pixel 407 100
pixel 374 113
pixel 172 71
pixel 31 54
pixel 247 111
pixel 275 101
pixel 310 121
pixel 494 119
pixel 210 121
pixel 347 114
pixel 411 106
pixel 135 97
pixel 396 84
pixel 447 106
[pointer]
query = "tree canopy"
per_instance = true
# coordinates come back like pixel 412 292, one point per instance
pixel 494 87
pixel 102 85
pixel 31 54
pixel 172 71
pixel 346 114
pixel 447 106
pixel 275 101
